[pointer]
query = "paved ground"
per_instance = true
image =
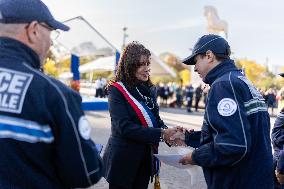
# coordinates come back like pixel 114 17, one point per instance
pixel 171 178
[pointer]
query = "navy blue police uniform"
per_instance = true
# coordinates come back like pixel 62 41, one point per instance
pixel 278 144
pixel 44 135
pixel 234 147
pixel 277 136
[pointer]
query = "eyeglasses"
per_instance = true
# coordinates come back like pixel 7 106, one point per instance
pixel 54 33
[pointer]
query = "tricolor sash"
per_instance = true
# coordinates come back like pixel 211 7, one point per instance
pixel 144 114
pixel 146 118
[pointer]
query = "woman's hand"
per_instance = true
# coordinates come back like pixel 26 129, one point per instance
pixel 174 136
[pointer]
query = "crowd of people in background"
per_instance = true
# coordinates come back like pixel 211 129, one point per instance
pixel 272 98
pixel 100 85
pixel 193 97
pixel 174 95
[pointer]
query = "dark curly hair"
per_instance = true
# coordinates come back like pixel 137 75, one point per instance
pixel 130 62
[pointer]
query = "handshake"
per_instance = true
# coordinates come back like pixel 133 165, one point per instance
pixel 175 136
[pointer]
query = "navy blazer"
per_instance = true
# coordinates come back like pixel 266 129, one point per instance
pixel 129 142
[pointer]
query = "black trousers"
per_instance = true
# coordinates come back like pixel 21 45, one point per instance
pixel 196 103
pixel 142 177
pixel 99 93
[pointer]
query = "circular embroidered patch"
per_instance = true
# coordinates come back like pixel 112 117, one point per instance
pixel 84 128
pixel 227 107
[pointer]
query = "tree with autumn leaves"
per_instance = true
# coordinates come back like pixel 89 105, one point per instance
pixel 259 74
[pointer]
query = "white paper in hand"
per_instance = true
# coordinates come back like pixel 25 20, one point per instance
pixel 172 160
pixel 196 173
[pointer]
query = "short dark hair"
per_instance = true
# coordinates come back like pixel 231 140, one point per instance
pixel 218 57
pixel 130 62
pixel 221 58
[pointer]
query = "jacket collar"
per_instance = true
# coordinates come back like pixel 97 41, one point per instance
pixel 11 48
pixel 219 70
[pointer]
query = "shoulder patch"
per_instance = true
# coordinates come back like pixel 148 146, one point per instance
pixel 84 128
pixel 227 107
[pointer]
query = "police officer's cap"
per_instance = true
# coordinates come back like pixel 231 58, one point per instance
pixel 26 11
pixel 217 44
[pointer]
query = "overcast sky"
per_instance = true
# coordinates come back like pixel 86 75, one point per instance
pixel 256 27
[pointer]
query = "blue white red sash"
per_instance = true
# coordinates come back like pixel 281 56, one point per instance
pixel 145 115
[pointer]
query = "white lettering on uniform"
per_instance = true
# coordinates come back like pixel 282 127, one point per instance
pixel 3 101
pixel 13 89
pixel 16 84
pixel 7 102
pixel 13 101
pixel 4 76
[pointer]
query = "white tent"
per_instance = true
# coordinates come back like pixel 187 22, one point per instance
pixel 101 64
pixel 158 67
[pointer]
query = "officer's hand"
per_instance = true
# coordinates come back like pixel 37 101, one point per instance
pixel 178 138
pixel 279 177
pixel 173 137
pixel 181 129
pixel 187 159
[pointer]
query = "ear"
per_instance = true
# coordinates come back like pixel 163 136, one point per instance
pixel 210 56
pixel 32 31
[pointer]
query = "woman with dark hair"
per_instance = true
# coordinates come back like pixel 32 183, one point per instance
pixel 136 127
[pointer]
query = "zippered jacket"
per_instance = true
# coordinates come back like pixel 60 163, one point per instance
pixel 44 136
pixel 235 147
